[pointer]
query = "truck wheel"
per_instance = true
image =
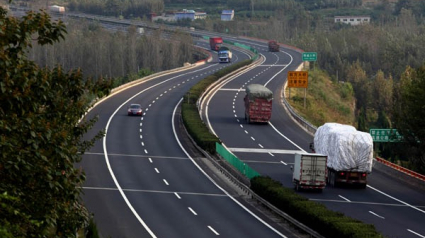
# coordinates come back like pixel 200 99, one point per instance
pixel 296 186
pixel 332 179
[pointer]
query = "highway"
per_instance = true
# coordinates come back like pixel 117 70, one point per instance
pixel 395 208
pixel 141 182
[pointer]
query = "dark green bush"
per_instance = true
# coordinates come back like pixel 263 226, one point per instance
pixel 314 215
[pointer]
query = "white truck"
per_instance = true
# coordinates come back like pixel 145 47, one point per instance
pixel 224 55
pixel 309 171
pixel 350 153
pixel 57 9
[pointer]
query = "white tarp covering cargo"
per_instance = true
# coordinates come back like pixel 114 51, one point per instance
pixel 346 148
pixel 258 91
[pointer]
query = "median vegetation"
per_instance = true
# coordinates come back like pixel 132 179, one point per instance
pixel 326 222
pixel 190 114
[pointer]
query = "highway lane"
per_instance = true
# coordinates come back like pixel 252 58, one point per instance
pixel 140 183
pixel 395 209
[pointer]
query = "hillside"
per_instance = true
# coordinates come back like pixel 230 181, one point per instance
pixel 327 100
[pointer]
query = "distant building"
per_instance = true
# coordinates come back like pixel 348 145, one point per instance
pixel 191 14
pixel 352 20
pixel 227 15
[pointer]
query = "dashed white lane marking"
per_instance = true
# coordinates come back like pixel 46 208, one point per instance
pixel 283 162
pixel 376 215
pixel 141 137
pixel 246 132
pixel 140 130
pixel 194 213
pixel 161 95
pixel 165 181
pixel 156 170
pixel 253 138
pixel 241 125
pixel 215 232
pixel 141 123
pixel 261 145
pixel 270 153
pixel 177 195
pixel 143 144
pixel 150 160
pixel 146 151
pixel 415 233
pixel 344 198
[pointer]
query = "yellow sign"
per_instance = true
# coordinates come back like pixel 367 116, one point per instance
pixel 297 79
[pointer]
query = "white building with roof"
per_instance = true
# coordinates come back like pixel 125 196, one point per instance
pixel 191 14
pixel 352 20
pixel 227 15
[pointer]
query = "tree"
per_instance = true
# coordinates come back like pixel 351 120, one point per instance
pixel 409 114
pixel 41 138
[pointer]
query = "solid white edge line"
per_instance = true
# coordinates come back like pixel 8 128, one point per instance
pixel 398 200
pixel 274 128
pixel 206 175
pixel 111 172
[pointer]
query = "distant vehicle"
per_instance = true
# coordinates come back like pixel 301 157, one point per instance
pixel 258 103
pixel 140 30
pixel 309 171
pixel 224 55
pixel 273 46
pixel 57 9
pixel 215 43
pixel 192 28
pixel 350 153
pixel 134 110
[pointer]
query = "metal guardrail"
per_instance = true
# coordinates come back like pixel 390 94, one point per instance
pixel 301 121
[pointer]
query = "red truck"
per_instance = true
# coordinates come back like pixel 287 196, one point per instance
pixel 258 103
pixel 273 46
pixel 215 43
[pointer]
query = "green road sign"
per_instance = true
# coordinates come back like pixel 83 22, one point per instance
pixel 310 56
pixel 385 135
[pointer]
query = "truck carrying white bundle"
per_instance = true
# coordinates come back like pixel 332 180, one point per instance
pixel 258 103
pixel 350 153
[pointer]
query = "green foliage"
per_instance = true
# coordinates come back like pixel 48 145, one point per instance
pixel 312 214
pixel 409 114
pixel 40 138
pixel 92 231
pixel 327 101
pixel 126 8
